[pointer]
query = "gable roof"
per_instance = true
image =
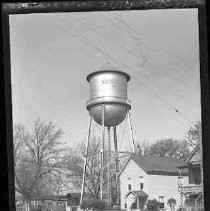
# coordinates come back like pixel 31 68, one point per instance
pixel 59 197
pixel 138 193
pixel 194 158
pixel 195 155
pixel 154 165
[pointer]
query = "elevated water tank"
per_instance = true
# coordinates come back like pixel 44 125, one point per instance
pixel 108 88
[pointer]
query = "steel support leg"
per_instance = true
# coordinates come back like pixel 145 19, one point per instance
pixel 116 166
pixel 102 151
pixel 85 159
pixel 131 132
pixel 109 165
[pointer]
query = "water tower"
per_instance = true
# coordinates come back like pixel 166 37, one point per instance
pixel 108 106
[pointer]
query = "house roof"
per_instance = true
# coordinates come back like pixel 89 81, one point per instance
pixel 154 165
pixel 139 193
pixel 194 158
pixel 195 155
pixel 50 197
pixel 59 197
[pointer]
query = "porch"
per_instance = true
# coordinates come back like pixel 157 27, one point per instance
pixel 136 200
pixel 193 199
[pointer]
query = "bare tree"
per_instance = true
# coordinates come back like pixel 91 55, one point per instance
pixel 75 160
pixel 170 148
pixel 179 149
pixel 75 166
pixel 36 155
pixel 194 135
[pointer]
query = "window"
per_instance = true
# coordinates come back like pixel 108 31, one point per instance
pixel 161 202
pixel 161 198
pixel 129 186
pixel 180 181
pixel 141 186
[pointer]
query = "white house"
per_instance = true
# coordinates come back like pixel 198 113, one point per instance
pixel 149 177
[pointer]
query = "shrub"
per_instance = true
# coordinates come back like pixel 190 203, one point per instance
pixel 181 209
pixel 171 202
pixel 152 205
pixel 95 204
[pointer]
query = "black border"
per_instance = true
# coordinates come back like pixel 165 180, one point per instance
pixel 6 146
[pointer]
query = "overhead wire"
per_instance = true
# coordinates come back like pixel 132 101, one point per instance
pixel 146 43
pixel 157 67
pixel 107 57
pixel 135 38
pixel 157 95
pixel 136 78
pixel 133 54
pixel 86 40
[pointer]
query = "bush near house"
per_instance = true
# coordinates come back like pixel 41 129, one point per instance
pixel 181 209
pixel 153 205
pixel 172 202
pixel 95 204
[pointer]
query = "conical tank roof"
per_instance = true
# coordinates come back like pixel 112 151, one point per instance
pixel 107 68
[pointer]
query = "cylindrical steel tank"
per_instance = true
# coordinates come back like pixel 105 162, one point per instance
pixel 108 88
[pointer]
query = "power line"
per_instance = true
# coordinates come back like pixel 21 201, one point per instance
pixel 106 55
pixel 158 96
pixel 133 53
pixel 137 39
pixel 99 31
pixel 147 44
pixel 127 67
pixel 86 40
pixel 130 51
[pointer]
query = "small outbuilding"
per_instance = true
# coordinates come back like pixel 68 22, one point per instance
pixel 149 177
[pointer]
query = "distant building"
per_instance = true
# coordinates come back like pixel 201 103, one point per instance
pixel 192 193
pixel 149 177
pixel 50 202
pixel 68 202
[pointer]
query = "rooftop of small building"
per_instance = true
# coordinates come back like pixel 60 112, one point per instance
pixel 138 193
pixel 155 165
pixel 59 197
pixel 194 159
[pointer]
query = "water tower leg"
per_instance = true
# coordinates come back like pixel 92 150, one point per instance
pixel 102 151
pixel 131 131
pixel 85 159
pixel 116 166
pixel 109 166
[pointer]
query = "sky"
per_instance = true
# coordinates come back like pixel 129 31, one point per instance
pixel 51 55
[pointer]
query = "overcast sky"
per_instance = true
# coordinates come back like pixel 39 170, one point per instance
pixel 51 55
